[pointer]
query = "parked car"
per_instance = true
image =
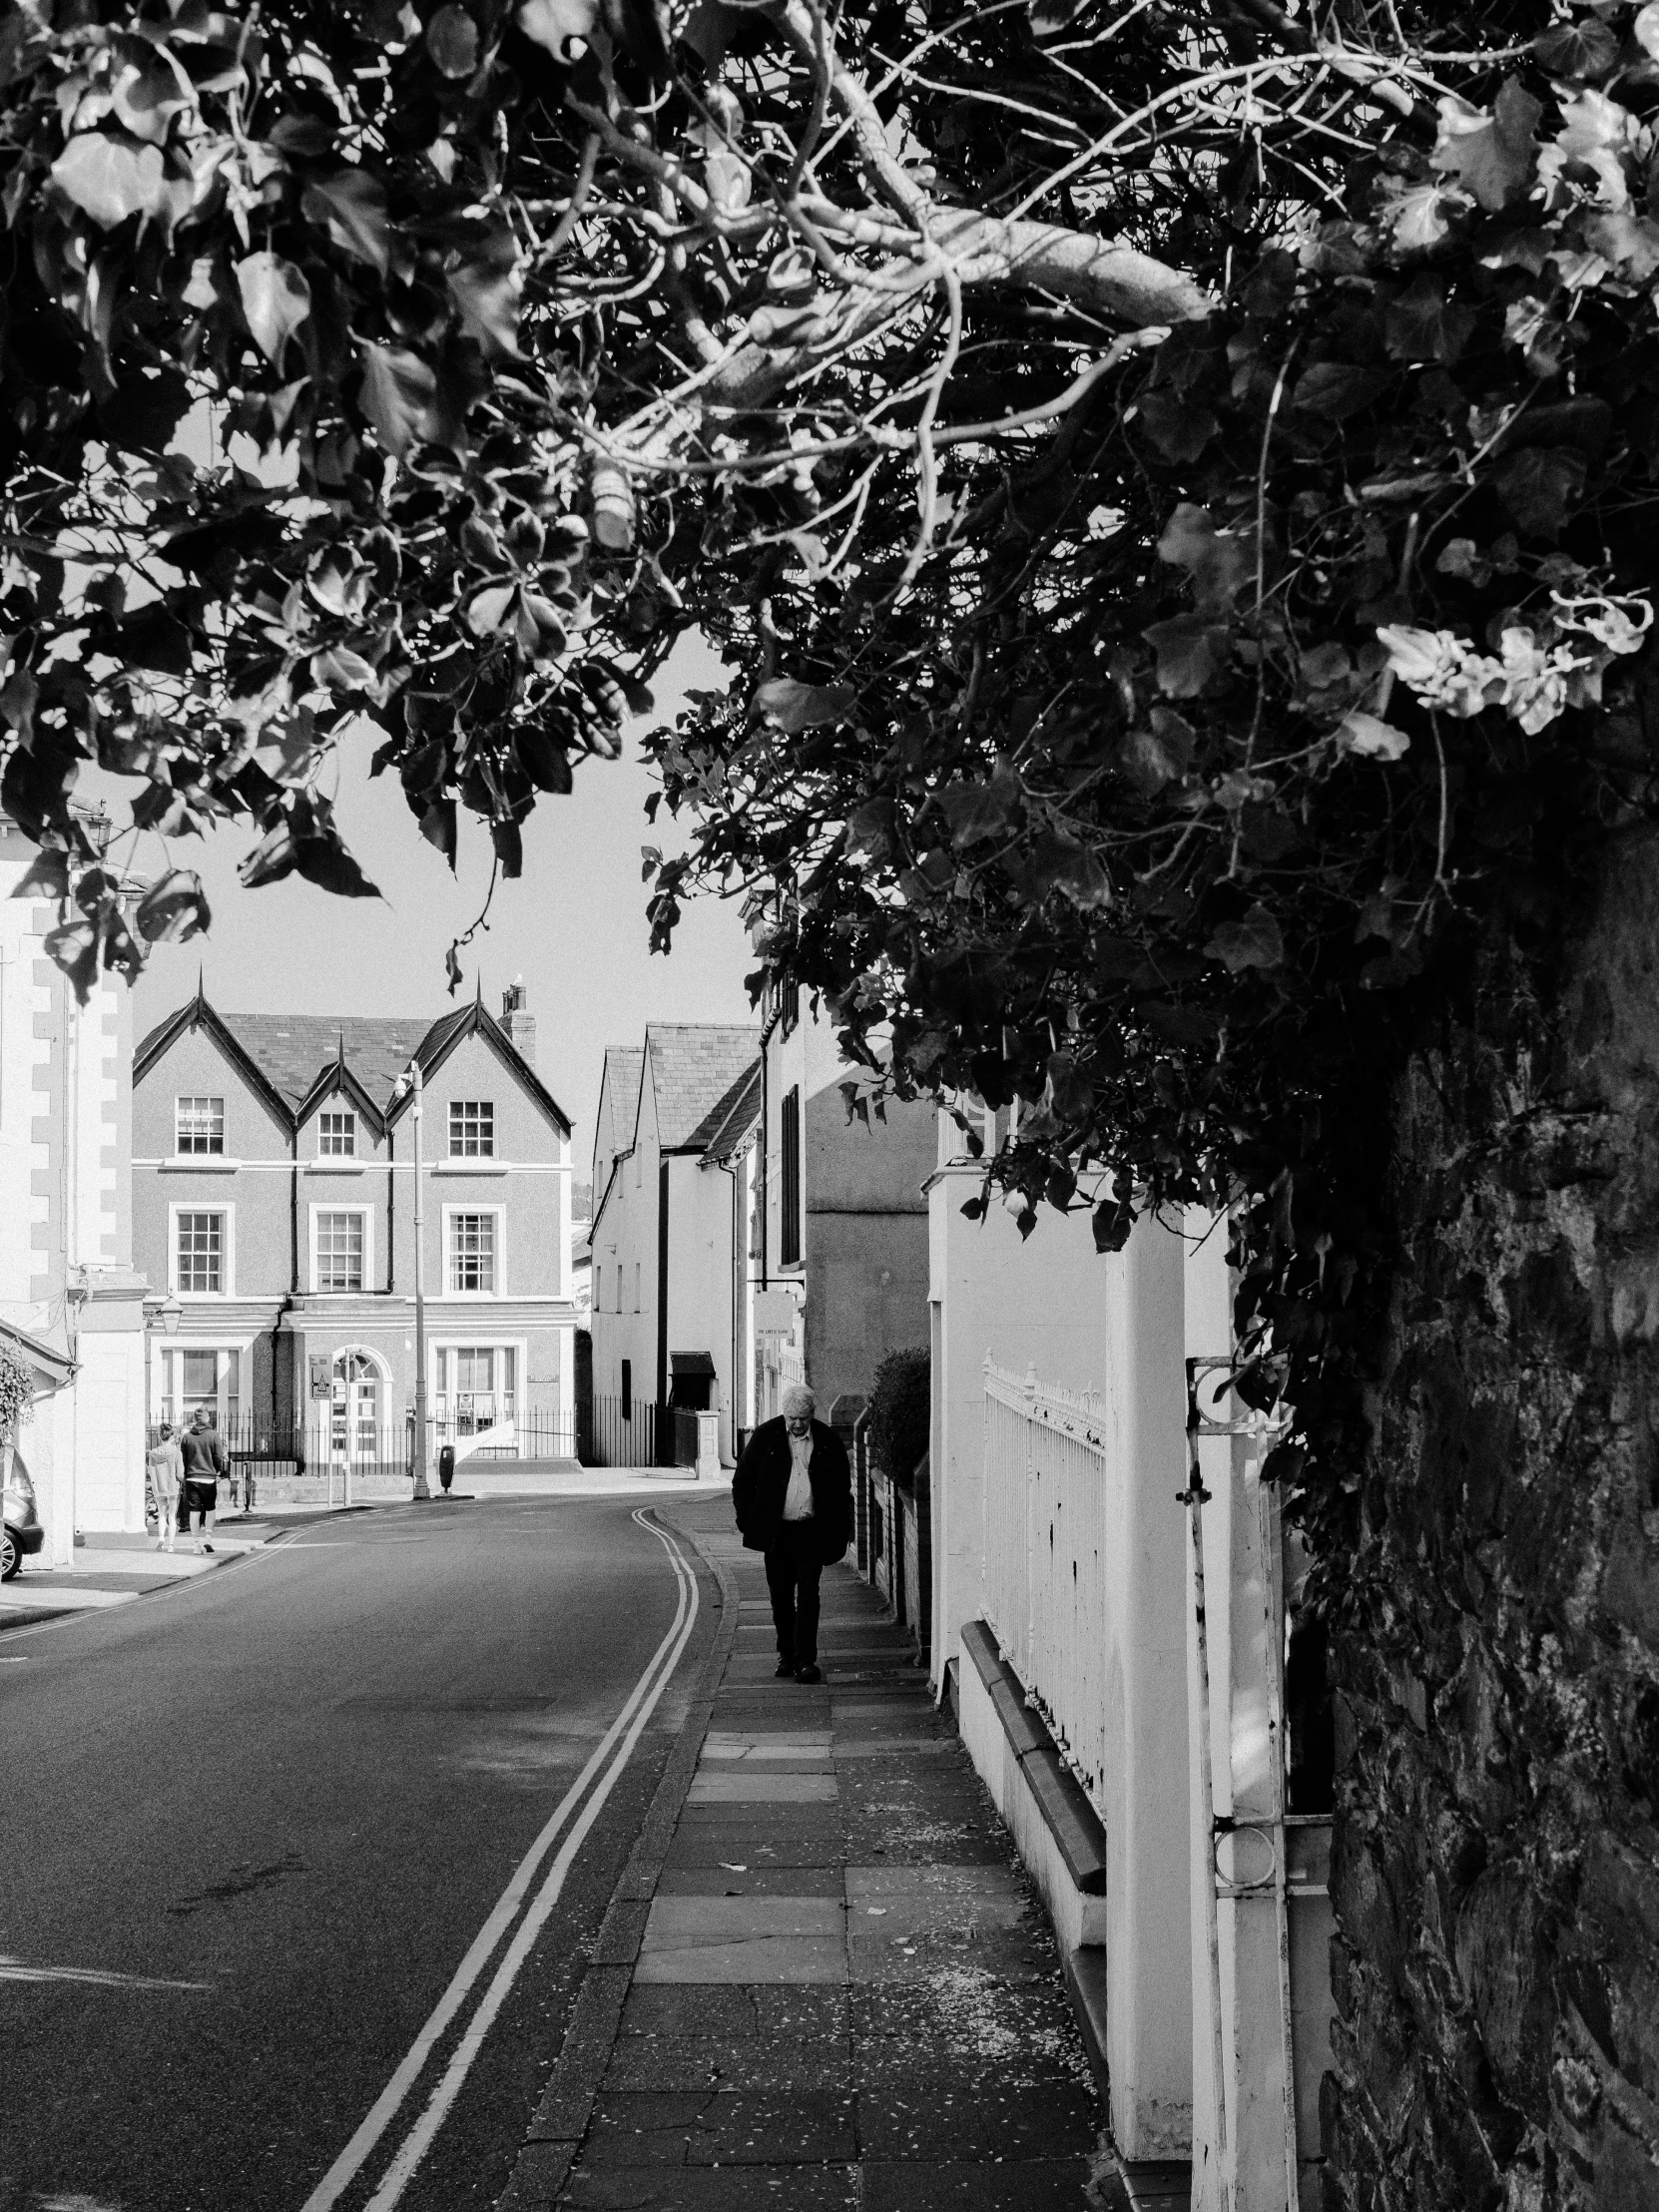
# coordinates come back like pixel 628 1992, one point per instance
pixel 23 1531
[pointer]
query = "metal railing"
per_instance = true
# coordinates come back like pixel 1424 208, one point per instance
pixel 313 1445
pixel 648 1435
pixel 1044 1558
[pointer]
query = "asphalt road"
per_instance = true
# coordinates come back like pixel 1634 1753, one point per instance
pixel 249 1830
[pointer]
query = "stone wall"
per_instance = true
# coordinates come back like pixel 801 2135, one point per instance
pixel 1497 1878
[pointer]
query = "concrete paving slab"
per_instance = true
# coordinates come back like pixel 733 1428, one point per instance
pixel 775 2013
pixel 922 1953
pixel 899 1747
pixel 725 2128
pixel 1022 2185
pixel 717 1847
pixel 753 1881
pixel 763 1788
pixel 715 2189
pixel 948 2113
pixel 676 1919
pixel 709 2062
pixel 759 1958
pixel 949 1884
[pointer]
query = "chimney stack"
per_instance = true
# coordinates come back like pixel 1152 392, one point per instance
pixel 517 1020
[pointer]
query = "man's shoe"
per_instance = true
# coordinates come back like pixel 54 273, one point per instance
pixel 809 1673
pixel 785 1667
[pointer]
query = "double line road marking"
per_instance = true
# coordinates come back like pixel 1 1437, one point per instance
pixel 619 1739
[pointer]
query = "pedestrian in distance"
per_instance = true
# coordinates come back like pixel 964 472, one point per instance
pixel 164 1470
pixel 204 1456
pixel 792 1495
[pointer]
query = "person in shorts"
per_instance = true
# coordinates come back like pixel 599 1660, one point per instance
pixel 164 1469
pixel 204 1456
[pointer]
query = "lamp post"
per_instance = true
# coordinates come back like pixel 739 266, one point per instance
pixel 411 1079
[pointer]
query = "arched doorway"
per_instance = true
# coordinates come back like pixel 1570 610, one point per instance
pixel 357 1409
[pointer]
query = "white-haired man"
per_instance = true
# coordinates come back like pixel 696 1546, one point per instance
pixel 792 1495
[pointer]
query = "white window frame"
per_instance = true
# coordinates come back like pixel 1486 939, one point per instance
pixel 439 1349
pixel 210 1098
pixel 229 1351
pixel 350 1115
pixel 227 1249
pixel 367 1215
pixel 450 1214
pixel 479 1106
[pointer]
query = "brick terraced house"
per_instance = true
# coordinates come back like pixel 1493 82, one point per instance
pixel 273 1202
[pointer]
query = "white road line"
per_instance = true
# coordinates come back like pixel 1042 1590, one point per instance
pixel 13 1970
pixel 343 2171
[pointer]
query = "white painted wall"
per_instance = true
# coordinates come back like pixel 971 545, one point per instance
pixel 1113 1324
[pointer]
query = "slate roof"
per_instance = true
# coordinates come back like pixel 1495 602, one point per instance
pixel 724 1127
pixel 291 1052
pixel 619 1098
pixel 692 1067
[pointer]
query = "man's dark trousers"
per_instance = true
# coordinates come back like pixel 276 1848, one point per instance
pixel 793 1565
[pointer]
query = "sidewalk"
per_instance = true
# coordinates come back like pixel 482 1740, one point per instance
pixel 822 1980
pixel 112 1569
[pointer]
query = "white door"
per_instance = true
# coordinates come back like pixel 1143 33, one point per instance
pixel 355 1413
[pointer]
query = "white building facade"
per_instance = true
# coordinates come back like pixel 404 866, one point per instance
pixel 71 1303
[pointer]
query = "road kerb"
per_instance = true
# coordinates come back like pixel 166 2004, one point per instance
pixel 561 2118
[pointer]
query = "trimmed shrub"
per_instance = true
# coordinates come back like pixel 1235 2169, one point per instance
pixel 900 1413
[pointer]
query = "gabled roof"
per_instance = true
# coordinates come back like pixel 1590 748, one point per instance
pixel 719 1136
pixel 690 1067
pixel 293 1059
pixel 619 1098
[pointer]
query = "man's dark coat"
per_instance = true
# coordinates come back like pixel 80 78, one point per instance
pixel 761 1481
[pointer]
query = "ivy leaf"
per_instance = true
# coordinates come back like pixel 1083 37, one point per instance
pixel 1369 735
pixel 275 298
pixel 173 909
pixel 1178 426
pixel 979 810
pixel 452 41
pixel 1540 487
pixel 1217 562
pixel 1254 942
pixel 397 395
pixel 487 296
pixel 795 706
pixel 1420 325
pixel 110 179
pixel 1336 389
pixel 509 847
pixel 1191 651
pixel 352 206
pixel 1489 152
pixel 1584 48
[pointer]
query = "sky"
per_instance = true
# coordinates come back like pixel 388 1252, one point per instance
pixel 573 925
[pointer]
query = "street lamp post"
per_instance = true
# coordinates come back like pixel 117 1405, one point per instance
pixel 410 1080
pixel 421 1489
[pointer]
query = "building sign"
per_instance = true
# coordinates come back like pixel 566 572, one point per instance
pixel 321 1364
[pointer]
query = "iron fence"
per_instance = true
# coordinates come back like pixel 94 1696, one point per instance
pixel 641 1434
pixel 324 1441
